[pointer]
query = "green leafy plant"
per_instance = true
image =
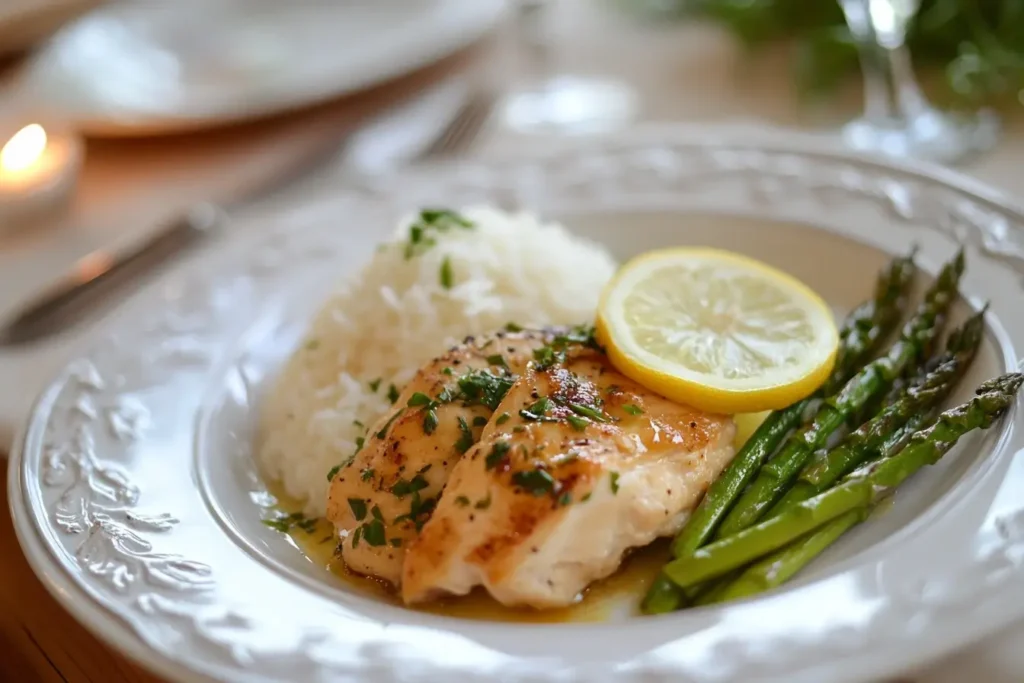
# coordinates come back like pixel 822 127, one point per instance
pixel 979 44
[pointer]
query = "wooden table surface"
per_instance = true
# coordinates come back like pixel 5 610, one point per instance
pixel 679 71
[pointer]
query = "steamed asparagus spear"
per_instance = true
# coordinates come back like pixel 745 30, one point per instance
pixel 863 330
pixel 859 491
pixel 918 398
pixel 874 380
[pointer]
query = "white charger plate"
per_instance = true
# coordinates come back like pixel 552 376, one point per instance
pixel 143 68
pixel 137 501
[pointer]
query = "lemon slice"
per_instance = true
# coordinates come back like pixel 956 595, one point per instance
pixel 718 331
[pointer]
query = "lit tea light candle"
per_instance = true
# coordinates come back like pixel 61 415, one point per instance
pixel 38 169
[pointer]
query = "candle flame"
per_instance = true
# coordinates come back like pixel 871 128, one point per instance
pixel 23 149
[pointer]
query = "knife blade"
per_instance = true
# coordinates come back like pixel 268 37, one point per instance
pixel 399 134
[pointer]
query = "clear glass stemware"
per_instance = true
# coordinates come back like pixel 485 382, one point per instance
pixel 898 119
pixel 560 103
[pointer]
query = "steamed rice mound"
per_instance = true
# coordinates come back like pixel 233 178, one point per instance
pixel 395 314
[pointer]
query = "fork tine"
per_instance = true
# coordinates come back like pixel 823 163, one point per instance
pixel 463 129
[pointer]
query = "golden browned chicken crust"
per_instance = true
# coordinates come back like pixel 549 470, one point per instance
pixel 587 465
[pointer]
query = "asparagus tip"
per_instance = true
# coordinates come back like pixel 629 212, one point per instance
pixel 1005 384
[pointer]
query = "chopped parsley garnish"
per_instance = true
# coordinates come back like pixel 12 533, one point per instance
pixel 447 371
pixel 392 393
pixel 447 277
pixel 479 421
pixel 498 452
pixel 356 536
pixel 613 478
pixel 554 352
pixel 483 503
pixel 462 501
pixel 497 359
pixel 404 487
pixel 537 482
pixel 466 440
pixel 588 411
pixel 565 499
pixel 373 533
pixel 357 423
pixel 541 406
pixel 358 507
pixel 292 521
pixel 333 472
pixel 585 497
pixel 502 419
pixel 419 511
pixel 513 327
pixel 375 384
pixel 422 233
pixel 578 423
pixel 376 513
pixel 313 345
pixel 366 474
pixel 418 399
pixel 632 409
pixel 429 421
pixel 519 429
pixel 484 388
pixel 360 441
pixel 395 542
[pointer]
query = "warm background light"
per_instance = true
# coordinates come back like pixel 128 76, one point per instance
pixel 24 149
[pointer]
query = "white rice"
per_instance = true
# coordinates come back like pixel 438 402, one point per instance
pixel 394 315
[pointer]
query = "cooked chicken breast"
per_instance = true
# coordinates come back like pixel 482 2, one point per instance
pixel 577 465
pixel 381 497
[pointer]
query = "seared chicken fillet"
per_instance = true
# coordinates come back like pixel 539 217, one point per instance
pixel 380 499
pixel 576 466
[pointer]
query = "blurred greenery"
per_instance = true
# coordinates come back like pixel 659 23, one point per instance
pixel 979 44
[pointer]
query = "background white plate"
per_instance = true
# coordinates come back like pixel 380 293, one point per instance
pixel 136 500
pixel 157 67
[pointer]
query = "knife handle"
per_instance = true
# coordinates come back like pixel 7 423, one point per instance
pixel 94 277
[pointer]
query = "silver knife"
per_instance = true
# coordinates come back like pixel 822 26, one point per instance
pixel 400 134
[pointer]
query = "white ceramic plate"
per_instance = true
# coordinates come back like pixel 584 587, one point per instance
pixel 147 68
pixel 136 499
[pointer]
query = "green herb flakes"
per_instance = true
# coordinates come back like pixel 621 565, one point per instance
pixel 613 479
pixel 462 501
pixel 366 474
pixel 356 536
pixel 313 345
pixel 502 419
pixel 578 423
pixel 484 388
pixel 537 482
pixel 479 421
pixel 632 409
pixel 466 440
pixel 498 452
pixel 483 503
pixel 496 359
pixel 392 393
pixel 358 507
pixel 333 472
pixel 403 487
pixel 375 385
pixel 418 399
pixel 395 543
pixel 513 327
pixel 373 533
pixel 429 421
pixel 447 277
